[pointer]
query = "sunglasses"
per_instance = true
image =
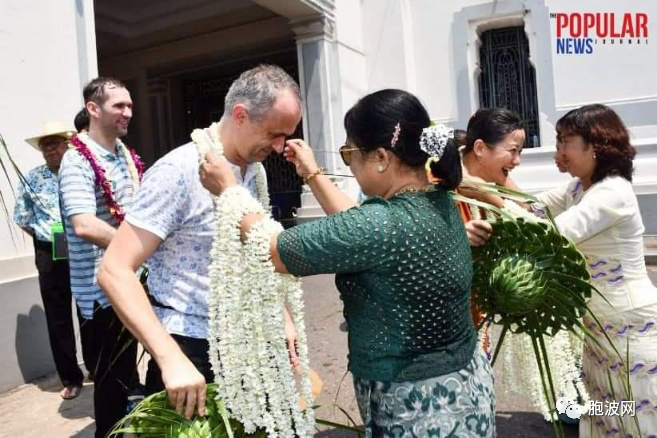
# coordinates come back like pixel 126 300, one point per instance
pixel 53 144
pixel 345 153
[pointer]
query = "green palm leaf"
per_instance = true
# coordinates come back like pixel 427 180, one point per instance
pixel 6 162
pixel 531 279
pixel 156 417
pixel 518 277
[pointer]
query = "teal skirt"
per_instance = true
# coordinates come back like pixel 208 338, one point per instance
pixel 458 404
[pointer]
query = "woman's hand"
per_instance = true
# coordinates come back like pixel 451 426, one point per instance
pixel 468 188
pixel 478 231
pixel 301 155
pixel 291 339
pixel 216 174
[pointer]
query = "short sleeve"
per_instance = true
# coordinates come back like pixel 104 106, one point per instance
pixel 603 206
pixel 348 242
pixel 162 202
pixel 24 208
pixel 77 188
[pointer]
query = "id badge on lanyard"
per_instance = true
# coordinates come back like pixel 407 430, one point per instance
pixel 59 243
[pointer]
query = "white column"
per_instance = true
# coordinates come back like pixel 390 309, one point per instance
pixel 319 78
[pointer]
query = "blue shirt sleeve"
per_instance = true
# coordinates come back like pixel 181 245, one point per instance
pixel 77 187
pixel 163 200
pixel 24 208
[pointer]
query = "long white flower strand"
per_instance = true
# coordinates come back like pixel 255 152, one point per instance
pixel 294 297
pixel 255 402
pixel 279 385
pixel 225 275
pixel 232 353
pixel 244 392
pixel 132 168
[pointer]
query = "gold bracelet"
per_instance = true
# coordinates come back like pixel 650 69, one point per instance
pixel 319 171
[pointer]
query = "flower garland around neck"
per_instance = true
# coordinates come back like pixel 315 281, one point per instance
pixel 208 140
pixel 102 180
pixel 246 328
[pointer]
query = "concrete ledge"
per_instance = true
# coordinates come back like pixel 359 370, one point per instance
pixel 17 268
pixel 24 346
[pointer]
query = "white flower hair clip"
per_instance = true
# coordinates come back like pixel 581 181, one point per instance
pixel 434 140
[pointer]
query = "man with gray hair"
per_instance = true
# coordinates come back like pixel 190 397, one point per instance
pixel 172 224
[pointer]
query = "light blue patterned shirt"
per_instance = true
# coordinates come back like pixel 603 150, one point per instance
pixel 79 194
pixel 172 204
pixel 37 206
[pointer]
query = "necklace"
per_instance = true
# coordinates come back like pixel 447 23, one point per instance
pixel 411 189
pixel 135 168
pixel 209 140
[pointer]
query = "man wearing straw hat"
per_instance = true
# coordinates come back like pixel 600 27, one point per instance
pixel 37 213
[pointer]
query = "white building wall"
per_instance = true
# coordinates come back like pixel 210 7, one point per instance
pixel 40 80
pixel 430 48
pixel 353 74
pixel 49 52
pixel 383 38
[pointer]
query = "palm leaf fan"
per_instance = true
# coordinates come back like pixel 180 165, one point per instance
pixel 531 279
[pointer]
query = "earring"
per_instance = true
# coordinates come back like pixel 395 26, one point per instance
pixel 380 168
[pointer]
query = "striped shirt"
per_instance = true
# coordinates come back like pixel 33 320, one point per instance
pixel 37 206
pixel 79 194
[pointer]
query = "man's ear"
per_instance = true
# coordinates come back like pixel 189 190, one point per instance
pixel 240 115
pixel 93 109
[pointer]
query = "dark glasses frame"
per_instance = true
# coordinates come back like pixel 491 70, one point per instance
pixel 345 153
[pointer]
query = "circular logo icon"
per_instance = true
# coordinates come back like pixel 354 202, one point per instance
pixel 567 406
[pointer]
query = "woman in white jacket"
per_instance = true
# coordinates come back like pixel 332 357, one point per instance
pixel 598 210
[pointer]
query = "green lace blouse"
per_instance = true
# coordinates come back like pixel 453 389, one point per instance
pixel 404 270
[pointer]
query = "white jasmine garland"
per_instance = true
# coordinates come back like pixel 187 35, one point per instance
pixel 247 345
pixel 132 168
pixel 518 211
pixel 208 139
pixel 521 375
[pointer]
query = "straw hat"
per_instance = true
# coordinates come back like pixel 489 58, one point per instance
pixel 51 128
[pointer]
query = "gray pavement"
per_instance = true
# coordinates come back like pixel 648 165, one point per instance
pixel 36 410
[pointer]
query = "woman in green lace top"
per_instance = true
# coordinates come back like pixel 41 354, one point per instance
pixel 403 268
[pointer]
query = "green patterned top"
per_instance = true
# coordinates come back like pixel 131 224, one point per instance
pixel 404 270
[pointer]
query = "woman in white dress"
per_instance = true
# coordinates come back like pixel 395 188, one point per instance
pixel 598 210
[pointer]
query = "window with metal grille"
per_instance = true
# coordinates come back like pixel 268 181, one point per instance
pixel 508 79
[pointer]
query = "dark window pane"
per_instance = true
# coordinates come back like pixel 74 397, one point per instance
pixel 508 79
